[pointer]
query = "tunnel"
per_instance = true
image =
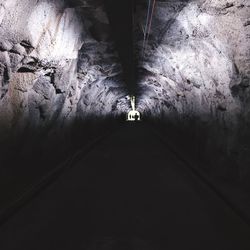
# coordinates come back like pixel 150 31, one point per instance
pixel 76 173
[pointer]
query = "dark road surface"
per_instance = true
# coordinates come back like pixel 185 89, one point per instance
pixel 130 192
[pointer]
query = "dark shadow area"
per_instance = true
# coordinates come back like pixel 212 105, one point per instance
pixel 205 148
pixel 131 191
pixel 121 17
pixel 38 155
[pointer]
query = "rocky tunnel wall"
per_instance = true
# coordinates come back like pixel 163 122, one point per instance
pixel 59 71
pixel 195 76
pixel 58 64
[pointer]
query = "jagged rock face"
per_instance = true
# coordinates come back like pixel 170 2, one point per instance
pixel 198 58
pixel 197 62
pixel 57 62
pixel 196 73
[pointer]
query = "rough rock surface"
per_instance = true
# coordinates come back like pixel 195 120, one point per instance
pixel 57 63
pixel 196 72
pixel 197 61
pixel 198 58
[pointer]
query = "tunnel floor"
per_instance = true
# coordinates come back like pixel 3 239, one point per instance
pixel 129 192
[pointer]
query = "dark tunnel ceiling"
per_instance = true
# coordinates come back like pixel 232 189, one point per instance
pixel 120 14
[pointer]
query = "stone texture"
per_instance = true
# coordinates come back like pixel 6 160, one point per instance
pixel 197 52
pixel 57 63
pixel 196 71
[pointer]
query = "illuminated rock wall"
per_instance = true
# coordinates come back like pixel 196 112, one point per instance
pixel 196 74
pixel 57 63
pixel 198 58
